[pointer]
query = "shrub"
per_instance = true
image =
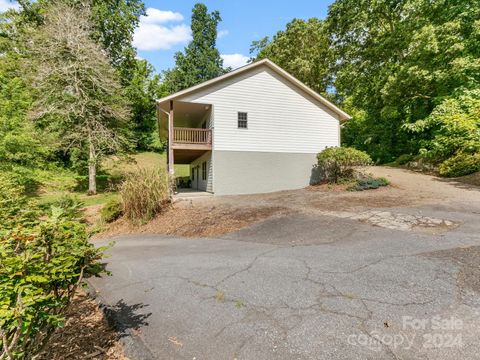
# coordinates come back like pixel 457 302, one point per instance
pixel 460 165
pixel 112 210
pixel 403 159
pixel 339 162
pixel 369 183
pixel 452 127
pixel 14 206
pixel 69 205
pixel 104 182
pixel 42 264
pixel 144 194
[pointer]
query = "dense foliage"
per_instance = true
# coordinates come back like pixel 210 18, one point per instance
pixel 77 93
pixel 43 260
pixel 200 60
pixel 408 72
pixel 337 163
pixel 302 49
pixel 406 58
pixel 112 210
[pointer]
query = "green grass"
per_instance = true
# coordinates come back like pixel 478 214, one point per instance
pixel 87 200
pixel 55 184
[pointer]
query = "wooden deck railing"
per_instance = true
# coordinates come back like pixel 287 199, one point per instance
pixel 192 136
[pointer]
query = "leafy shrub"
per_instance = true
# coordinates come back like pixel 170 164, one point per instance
pixel 104 182
pixel 339 162
pixel 69 205
pixel 144 194
pixel 14 206
pixel 112 210
pixel 42 264
pixel 403 159
pixel 454 129
pixel 460 165
pixel 369 183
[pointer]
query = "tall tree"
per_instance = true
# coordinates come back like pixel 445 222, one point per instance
pixel 77 92
pixel 396 61
pixel 20 142
pixel 201 59
pixel 113 25
pixel 144 88
pixel 303 49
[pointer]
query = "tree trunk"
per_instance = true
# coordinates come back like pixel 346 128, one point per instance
pixel 92 171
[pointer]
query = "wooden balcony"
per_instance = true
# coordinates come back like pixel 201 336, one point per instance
pixel 192 138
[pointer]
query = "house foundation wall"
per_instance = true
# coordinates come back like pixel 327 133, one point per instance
pixel 250 172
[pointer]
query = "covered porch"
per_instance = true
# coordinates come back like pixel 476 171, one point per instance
pixel 187 129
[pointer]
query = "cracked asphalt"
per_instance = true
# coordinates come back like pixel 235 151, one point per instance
pixel 305 286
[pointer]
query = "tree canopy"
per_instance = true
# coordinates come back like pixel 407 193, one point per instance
pixel 397 61
pixel 200 60
pixel 77 93
pixel 302 49
pixel 408 71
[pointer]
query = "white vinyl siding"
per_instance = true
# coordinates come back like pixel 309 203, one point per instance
pixel 281 117
pixel 203 185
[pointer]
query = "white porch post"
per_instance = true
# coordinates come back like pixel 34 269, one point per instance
pixel 171 168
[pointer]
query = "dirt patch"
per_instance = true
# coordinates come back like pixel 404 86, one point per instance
pixel 91 214
pixel 385 197
pixel 197 221
pixel 86 335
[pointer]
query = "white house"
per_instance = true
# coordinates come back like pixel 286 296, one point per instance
pixel 256 129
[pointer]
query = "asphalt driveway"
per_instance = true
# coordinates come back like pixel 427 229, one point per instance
pixel 396 283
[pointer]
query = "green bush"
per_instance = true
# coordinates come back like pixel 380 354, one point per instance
pixel 460 165
pixel 43 261
pixel 112 210
pixel 369 183
pixel 70 205
pixel 144 194
pixel 104 182
pixel 339 162
pixel 14 205
pixel 403 159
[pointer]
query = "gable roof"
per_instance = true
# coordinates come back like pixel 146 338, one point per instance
pixel 270 64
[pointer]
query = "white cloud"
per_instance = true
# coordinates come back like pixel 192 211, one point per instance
pixel 234 60
pixel 6 4
pixel 156 16
pixel 158 37
pixel 153 34
pixel 222 33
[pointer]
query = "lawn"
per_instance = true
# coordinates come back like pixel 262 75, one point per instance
pixel 60 183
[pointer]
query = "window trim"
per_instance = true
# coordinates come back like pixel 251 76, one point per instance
pixel 242 120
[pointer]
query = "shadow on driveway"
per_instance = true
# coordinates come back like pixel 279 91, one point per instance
pixel 124 318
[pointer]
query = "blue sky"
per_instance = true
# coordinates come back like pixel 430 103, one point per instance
pixel 167 30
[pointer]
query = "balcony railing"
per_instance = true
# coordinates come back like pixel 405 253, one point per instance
pixel 192 136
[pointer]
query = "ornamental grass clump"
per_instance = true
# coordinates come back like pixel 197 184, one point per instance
pixel 144 194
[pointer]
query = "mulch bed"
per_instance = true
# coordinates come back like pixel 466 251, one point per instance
pixel 86 335
pixel 196 221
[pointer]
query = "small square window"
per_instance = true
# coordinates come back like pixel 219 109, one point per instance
pixel 242 120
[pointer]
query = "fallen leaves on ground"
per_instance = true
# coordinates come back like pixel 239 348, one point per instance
pixel 86 335
pixel 197 221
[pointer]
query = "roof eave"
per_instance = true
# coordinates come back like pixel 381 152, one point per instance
pixel 343 116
